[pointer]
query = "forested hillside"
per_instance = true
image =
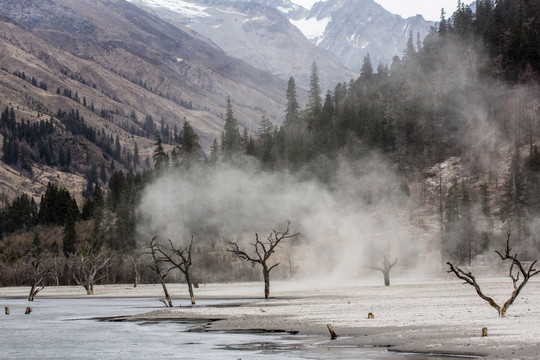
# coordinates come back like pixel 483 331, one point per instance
pixel 443 142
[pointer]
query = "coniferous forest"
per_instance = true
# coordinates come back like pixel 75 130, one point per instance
pixel 455 119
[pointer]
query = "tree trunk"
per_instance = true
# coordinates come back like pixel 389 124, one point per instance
pixel 190 288
pixel 167 296
pixel 386 274
pixel 266 276
pixel 32 293
pixel 89 288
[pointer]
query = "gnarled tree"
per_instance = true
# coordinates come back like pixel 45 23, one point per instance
pixel 89 264
pixel 262 251
pixel 180 258
pixel 385 265
pixel 516 270
pixel 155 266
pixel 40 268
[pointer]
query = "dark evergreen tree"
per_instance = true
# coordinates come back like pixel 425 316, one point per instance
pixel 160 157
pixel 136 156
pixel 292 112
pixel 116 186
pixel 188 148
pixel 231 135
pixel 366 72
pixel 98 214
pixel 266 135
pixel 20 214
pixel 314 105
pixel 125 220
pixel 214 152
pixel 55 204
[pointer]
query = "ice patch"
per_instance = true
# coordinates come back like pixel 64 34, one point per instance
pixel 312 28
pixel 257 18
pixel 230 12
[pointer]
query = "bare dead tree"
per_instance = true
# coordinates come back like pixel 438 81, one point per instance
pixel 136 260
pixel 180 258
pixel 39 271
pixel 386 265
pixel 89 265
pixel 156 267
pixel 469 278
pixel 262 253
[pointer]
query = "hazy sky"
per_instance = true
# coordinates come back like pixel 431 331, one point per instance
pixel 430 9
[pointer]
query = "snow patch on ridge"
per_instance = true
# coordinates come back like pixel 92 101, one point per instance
pixel 312 28
pixel 182 7
pixel 307 4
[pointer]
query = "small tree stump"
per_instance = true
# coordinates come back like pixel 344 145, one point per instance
pixel 333 335
pixel 28 310
pixel 370 316
pixel 7 310
pixel 484 332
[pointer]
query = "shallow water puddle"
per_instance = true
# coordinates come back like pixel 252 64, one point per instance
pixel 65 328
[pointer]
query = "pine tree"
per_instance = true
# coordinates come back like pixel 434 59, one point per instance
pixel 125 220
pixel 214 152
pixel 366 72
pixel 98 213
pixel 443 24
pixel 117 148
pixel 160 157
pixel 231 135
pixel 314 105
pixel 410 51
pixel 292 112
pixel 266 132
pixel 188 145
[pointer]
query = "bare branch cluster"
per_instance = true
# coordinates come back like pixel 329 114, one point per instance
pixel 39 271
pixel 262 251
pixel 89 265
pixel 178 258
pixel 155 266
pixel 522 271
pixel 387 265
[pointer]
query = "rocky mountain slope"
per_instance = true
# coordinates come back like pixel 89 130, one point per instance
pixel 118 65
pixel 110 44
pixel 283 38
pixel 257 33
pixel 355 28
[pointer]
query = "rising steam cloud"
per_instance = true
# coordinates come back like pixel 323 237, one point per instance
pixel 340 226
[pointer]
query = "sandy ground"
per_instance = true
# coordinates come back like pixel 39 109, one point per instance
pixel 435 316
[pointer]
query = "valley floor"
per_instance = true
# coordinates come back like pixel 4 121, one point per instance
pixel 440 316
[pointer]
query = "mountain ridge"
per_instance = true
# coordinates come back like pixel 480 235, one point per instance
pixel 121 70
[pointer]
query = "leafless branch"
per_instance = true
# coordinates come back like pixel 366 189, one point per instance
pixel 153 251
pixel 263 251
pixel 179 258
pixel 526 274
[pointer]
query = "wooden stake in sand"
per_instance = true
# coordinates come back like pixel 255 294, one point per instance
pixel 7 310
pixel 28 310
pixel 484 332
pixel 333 335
